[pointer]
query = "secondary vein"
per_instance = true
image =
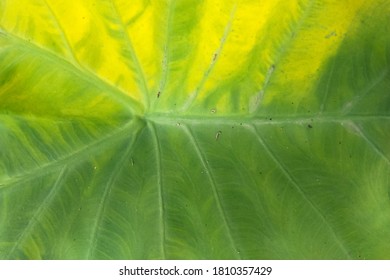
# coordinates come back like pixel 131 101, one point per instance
pixel 292 180
pixel 160 190
pixel 213 187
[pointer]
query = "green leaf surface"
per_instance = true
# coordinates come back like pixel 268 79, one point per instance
pixel 194 129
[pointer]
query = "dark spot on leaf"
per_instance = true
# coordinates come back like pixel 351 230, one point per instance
pixel 309 126
pixel 331 34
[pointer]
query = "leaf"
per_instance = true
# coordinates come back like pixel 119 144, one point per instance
pixel 194 129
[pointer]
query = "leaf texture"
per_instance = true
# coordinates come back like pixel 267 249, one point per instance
pixel 194 129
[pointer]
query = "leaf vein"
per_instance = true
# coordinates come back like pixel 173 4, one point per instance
pixel 106 194
pixel 215 193
pixel 107 88
pixel 326 95
pixel 166 56
pixel 160 190
pixel 370 142
pixel 63 34
pixel 284 48
pixel 262 120
pixel 292 180
pixel 206 75
pixel 38 213
pixel 348 107
pixel 89 149
pixel 138 68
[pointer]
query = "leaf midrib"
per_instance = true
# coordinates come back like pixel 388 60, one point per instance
pixel 261 120
pixel 137 108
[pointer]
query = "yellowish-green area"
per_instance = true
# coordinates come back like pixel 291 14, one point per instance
pixel 187 129
pixel 193 57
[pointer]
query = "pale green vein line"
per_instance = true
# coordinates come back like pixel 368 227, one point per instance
pixel 55 120
pixel 261 120
pixel 108 89
pixel 138 68
pixel 286 45
pixel 38 213
pixel 166 57
pixel 171 9
pixel 245 173
pixel 370 142
pixel 160 190
pixel 206 75
pixel 260 95
pixel 92 148
pixel 65 39
pixel 212 181
pixel 10 65
pixel 327 87
pixel 117 168
pixel 290 177
pixel 348 107
pixel 138 15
